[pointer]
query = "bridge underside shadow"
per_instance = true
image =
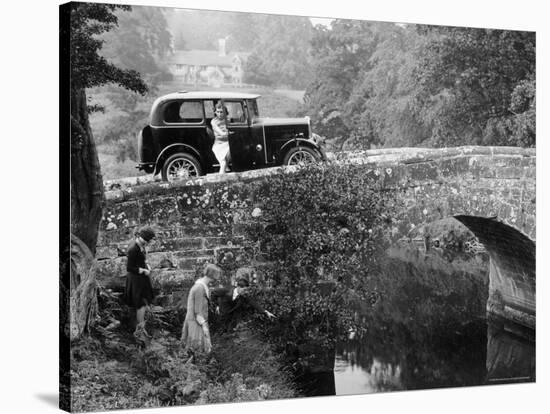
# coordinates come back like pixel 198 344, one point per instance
pixel 512 281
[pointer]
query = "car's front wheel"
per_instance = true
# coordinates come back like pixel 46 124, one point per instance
pixel 301 155
pixel 181 166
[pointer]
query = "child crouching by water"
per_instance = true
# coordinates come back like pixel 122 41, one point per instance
pixel 235 304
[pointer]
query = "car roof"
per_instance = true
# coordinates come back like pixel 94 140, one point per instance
pixel 208 95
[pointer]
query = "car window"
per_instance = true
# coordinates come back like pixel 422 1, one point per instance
pixel 209 109
pixel 236 114
pixel 183 112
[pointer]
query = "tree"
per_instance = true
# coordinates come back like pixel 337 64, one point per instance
pixel 80 24
pixel 472 82
pixel 385 84
pixel 140 41
pixel 341 57
pixel 88 69
pixel 281 52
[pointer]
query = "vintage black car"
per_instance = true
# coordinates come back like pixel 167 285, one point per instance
pixel 178 140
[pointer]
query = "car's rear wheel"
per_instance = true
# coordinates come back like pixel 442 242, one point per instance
pixel 301 155
pixel 181 166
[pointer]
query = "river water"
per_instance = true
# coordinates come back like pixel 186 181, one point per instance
pixel 428 329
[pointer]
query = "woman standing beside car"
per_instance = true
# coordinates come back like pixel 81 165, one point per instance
pixel 221 137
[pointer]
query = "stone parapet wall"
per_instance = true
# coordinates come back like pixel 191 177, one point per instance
pixel 206 219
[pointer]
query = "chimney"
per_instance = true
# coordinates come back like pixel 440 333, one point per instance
pixel 221 47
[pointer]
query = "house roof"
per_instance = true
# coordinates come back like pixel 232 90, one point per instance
pixel 203 58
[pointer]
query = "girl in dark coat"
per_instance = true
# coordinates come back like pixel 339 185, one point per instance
pixel 139 291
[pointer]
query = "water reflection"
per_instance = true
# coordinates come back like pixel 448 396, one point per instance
pixel 350 378
pixel 510 353
pixel 509 357
pixel 429 330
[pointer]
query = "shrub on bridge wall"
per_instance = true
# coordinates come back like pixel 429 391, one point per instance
pixel 325 230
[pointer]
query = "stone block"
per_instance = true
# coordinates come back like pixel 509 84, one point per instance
pixel 116 236
pixel 159 258
pixel 529 172
pixel 184 254
pixel 168 281
pixel 111 273
pixel 394 176
pixel 200 230
pixel 479 167
pixel 237 196
pixel 119 215
pixel 230 255
pixel 528 226
pixel 191 198
pixel 193 263
pixel 107 252
pixel 448 168
pixel 231 241
pixel 160 210
pixel 509 172
pixel 182 243
pixel 423 172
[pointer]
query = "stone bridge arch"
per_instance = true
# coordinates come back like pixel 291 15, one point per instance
pixel 512 268
pixel 492 192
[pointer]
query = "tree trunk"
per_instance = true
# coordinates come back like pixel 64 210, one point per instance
pixel 87 195
pixel 82 304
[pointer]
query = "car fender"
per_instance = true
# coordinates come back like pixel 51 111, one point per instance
pixel 296 142
pixel 172 149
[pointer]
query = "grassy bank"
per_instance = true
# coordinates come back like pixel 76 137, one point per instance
pixel 109 370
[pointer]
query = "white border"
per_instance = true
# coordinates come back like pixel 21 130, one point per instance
pixel 30 192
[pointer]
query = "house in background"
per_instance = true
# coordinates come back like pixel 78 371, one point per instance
pixel 208 67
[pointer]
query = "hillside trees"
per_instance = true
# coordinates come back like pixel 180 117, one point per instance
pixel 280 56
pixel 140 41
pixel 477 86
pixel 361 92
pixel 383 84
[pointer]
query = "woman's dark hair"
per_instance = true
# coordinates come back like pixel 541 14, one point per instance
pixel 221 105
pixel 146 233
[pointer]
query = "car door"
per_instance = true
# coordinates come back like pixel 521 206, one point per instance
pixel 241 145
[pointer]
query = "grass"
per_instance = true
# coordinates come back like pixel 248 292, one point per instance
pixel 111 168
pixel 109 370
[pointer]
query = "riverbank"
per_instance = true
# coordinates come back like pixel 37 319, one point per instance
pixel 109 370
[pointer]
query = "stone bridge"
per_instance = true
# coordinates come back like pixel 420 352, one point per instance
pixel 491 190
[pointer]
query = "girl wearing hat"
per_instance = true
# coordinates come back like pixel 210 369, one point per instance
pixel 195 333
pixel 138 293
